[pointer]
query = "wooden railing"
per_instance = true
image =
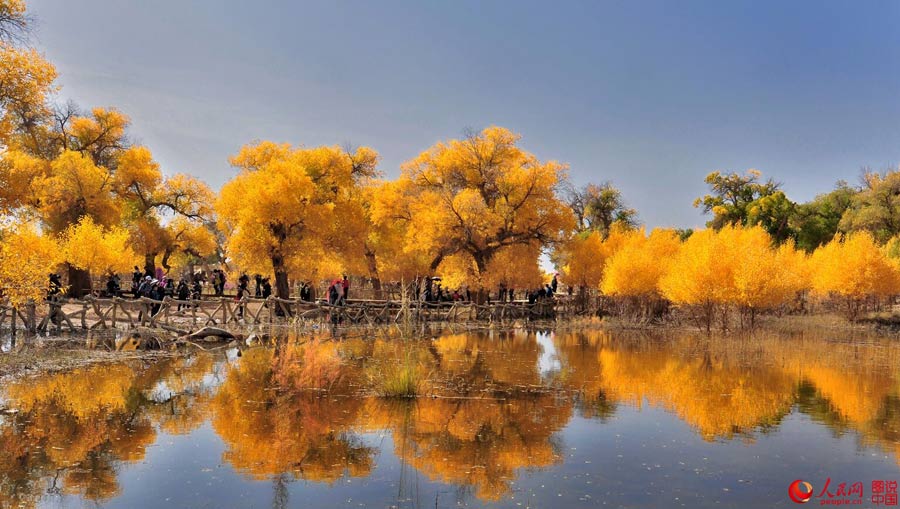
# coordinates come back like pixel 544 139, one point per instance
pixel 93 313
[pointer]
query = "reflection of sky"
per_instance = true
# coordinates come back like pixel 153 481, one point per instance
pixel 161 392
pixel 640 454
pixel 641 457
pixel 549 360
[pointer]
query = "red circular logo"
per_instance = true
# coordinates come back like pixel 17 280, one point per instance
pixel 800 491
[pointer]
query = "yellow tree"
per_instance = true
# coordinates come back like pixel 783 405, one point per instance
pixel 89 246
pixel 148 197
pixel 734 266
pixel 634 270
pixel 700 274
pixel 389 257
pixel 26 259
pixel 579 259
pixel 583 257
pixel 284 212
pixel 479 195
pixel 26 78
pixel 62 169
pixel 853 270
pixel 764 278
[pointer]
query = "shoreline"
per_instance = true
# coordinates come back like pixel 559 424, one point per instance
pixel 38 355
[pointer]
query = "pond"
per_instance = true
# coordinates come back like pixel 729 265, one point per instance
pixel 503 419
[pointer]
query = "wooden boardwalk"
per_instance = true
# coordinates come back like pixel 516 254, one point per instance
pixel 108 313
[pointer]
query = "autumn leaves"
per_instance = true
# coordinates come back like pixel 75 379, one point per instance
pixel 714 272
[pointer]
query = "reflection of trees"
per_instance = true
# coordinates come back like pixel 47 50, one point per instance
pixel 851 386
pixel 579 353
pixel 718 398
pixel 729 386
pixel 182 391
pixel 268 433
pixel 71 429
pixel 501 361
pixel 477 443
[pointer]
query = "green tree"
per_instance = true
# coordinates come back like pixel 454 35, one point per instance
pixel 731 195
pixel 747 200
pixel 816 222
pixel 597 207
pixel 876 207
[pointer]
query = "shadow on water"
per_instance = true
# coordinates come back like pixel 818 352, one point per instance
pixel 497 416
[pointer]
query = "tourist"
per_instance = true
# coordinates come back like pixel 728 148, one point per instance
pixel 196 289
pixel 345 285
pixel 144 288
pixel 53 294
pixel 242 291
pixel 135 279
pixel 182 292
pixel 222 281
pixel 305 292
pixel 112 286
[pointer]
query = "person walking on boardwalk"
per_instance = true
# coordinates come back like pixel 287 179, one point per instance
pixel 335 298
pixel 345 285
pixel 243 290
pixel 183 292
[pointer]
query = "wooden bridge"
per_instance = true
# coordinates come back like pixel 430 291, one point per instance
pixel 184 315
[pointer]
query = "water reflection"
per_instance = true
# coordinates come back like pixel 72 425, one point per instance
pixel 493 407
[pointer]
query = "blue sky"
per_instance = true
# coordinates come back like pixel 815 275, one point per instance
pixel 649 95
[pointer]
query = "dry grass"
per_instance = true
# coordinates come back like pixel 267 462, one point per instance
pixel 402 379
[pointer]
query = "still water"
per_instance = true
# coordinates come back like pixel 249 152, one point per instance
pixel 506 419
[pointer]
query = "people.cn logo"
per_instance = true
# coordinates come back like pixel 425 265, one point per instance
pixel 800 491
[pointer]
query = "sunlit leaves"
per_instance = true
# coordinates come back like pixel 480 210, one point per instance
pixel 854 268
pixel 289 209
pixel 636 267
pixel 76 187
pixel 89 246
pixel 26 259
pixel 475 197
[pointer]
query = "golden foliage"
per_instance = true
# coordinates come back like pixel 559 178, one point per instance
pixel 26 259
pixel 89 246
pixel 75 187
pixel 637 266
pixel 854 268
pixel 734 266
pixel 26 79
pixel 289 209
pixel 476 197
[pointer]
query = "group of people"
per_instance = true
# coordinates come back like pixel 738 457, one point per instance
pixel 157 287
pixel 547 292
pixel 338 291
pixel 218 279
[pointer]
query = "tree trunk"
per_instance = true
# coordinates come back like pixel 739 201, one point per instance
pixel 373 274
pixel 79 282
pixel 282 285
pixel 150 264
pixel 481 262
